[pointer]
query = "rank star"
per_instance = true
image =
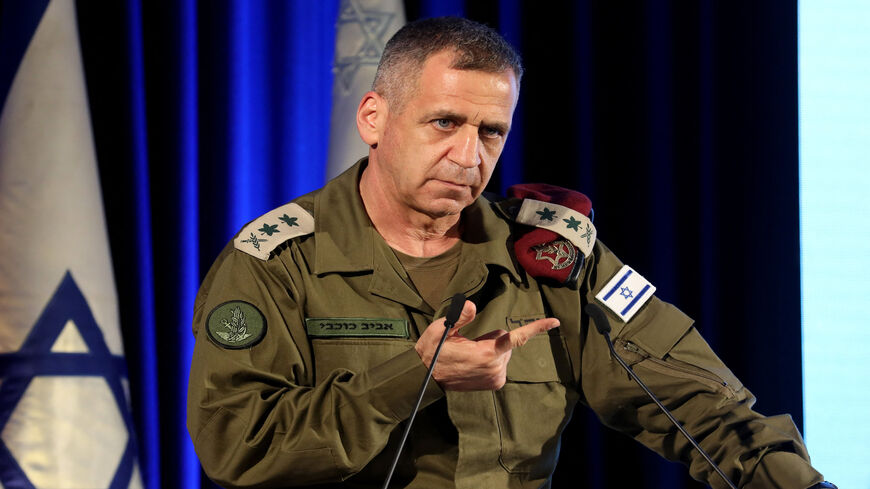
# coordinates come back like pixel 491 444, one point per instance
pixel 573 223
pixel 290 221
pixel 269 229
pixel 546 214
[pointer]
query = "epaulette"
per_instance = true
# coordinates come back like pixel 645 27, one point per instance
pixel 572 223
pixel 564 221
pixel 267 232
pixel 566 235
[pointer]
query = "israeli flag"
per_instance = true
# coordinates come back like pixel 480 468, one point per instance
pixel 64 404
pixel 362 29
pixel 626 293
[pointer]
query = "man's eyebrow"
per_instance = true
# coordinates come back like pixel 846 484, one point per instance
pixel 461 119
pixel 444 114
pixel 498 126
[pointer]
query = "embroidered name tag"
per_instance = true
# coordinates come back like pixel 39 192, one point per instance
pixel 356 327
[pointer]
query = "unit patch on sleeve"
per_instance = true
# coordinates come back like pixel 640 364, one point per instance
pixel 236 325
pixel 356 327
pixel 265 233
pixel 626 293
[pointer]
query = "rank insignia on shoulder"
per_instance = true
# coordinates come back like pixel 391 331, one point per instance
pixel 564 221
pixel 626 293
pixel 265 233
pixel 236 325
pixel 565 237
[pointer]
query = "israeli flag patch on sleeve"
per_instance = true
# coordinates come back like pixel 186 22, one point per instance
pixel 626 293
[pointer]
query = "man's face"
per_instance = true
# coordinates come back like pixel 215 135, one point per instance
pixel 439 150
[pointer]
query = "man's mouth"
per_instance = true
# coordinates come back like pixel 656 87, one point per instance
pixel 456 185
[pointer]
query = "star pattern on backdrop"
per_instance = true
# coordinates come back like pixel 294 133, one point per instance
pixel 373 26
pixel 35 358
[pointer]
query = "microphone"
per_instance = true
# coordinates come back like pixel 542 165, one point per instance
pixel 457 302
pixel 603 327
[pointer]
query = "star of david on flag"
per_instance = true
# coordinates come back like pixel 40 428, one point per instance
pixel 65 420
pixel 626 293
pixel 362 29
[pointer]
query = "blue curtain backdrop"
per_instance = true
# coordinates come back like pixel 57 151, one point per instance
pixel 680 122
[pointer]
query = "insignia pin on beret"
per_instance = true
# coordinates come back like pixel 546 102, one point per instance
pixel 563 236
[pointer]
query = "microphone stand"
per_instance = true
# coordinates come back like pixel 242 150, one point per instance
pixel 603 327
pixel 453 312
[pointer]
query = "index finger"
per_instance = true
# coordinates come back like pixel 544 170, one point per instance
pixel 519 336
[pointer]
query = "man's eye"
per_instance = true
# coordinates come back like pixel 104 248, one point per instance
pixel 443 123
pixel 490 132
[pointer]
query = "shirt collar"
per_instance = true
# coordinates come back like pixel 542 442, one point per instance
pixel 344 234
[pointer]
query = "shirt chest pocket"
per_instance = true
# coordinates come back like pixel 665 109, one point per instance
pixel 534 405
pixel 544 358
pixel 354 354
pixel 355 344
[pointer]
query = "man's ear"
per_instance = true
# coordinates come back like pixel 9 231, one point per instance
pixel 370 117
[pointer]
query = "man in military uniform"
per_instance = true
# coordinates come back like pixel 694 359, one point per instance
pixel 316 325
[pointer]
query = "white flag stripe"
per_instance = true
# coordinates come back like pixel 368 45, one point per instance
pixel 626 293
pixel 48 180
pixel 363 28
pixel 619 282
pixel 68 423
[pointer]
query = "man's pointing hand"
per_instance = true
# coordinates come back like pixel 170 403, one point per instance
pixel 479 364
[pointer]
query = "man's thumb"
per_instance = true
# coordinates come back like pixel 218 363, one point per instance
pixel 469 310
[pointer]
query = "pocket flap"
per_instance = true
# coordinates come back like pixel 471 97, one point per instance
pixel 657 328
pixel 538 360
pixel 354 354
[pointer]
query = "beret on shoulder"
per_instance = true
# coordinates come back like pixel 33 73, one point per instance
pixel 563 234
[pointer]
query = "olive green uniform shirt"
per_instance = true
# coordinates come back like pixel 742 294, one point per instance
pixel 302 407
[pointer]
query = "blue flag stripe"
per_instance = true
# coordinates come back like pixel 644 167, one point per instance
pixel 18 23
pixel 59 364
pixel 636 298
pixel 618 284
pixel 11 473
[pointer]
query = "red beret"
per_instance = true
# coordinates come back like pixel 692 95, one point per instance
pixel 550 254
pixel 552 193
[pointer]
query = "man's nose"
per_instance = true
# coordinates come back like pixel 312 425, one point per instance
pixel 466 149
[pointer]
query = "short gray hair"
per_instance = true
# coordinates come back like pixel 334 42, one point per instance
pixel 475 47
